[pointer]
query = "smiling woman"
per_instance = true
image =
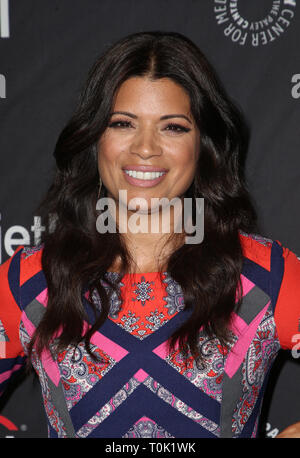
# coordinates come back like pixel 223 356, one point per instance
pixel 145 140
pixel 150 150
pixel 142 334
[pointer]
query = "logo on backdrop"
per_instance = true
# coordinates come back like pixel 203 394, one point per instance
pixel 9 428
pixel 4 19
pixel 270 431
pixel 18 235
pixel 8 424
pixel 234 16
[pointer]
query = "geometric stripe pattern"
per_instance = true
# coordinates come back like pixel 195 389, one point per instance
pixel 138 388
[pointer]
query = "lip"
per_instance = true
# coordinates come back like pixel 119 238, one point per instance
pixel 143 183
pixel 144 168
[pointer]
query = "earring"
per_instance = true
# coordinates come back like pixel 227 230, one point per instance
pixel 100 186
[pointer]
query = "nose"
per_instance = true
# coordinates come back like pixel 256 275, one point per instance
pixel 146 144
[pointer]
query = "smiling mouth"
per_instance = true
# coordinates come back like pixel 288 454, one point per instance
pixel 144 175
pixel 144 178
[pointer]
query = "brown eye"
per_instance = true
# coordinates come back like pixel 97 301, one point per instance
pixel 177 128
pixel 120 124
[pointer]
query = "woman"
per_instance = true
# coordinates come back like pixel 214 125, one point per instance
pixel 141 334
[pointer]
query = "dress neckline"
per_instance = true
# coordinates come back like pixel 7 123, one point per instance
pixel 114 273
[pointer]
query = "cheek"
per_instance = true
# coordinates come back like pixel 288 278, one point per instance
pixel 108 152
pixel 185 163
pixel 185 156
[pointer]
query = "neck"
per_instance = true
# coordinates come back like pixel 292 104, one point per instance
pixel 150 238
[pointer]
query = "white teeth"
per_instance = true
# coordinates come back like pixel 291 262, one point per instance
pixel 144 175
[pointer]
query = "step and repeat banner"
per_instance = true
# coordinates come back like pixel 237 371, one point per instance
pixel 46 50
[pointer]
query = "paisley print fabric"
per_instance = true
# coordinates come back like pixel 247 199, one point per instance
pixel 135 387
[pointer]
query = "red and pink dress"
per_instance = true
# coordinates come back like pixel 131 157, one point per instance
pixel 139 388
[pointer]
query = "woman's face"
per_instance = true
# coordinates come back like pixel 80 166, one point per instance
pixel 151 129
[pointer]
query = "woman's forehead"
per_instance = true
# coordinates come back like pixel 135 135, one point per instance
pixel 145 94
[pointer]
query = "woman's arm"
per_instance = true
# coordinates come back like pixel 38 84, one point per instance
pixel 292 431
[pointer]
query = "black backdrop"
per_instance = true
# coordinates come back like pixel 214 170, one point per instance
pixel 46 50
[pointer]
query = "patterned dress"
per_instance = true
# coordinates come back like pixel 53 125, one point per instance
pixel 138 388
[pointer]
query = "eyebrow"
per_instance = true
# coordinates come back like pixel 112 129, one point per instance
pixel 131 115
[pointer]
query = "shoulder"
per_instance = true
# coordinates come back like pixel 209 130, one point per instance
pixel 258 248
pixel 18 270
pixel 287 312
pixel 282 269
pixel 265 251
pixel 25 260
pixel 15 274
pixel 30 262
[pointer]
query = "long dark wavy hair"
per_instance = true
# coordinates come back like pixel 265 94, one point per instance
pixel 76 256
